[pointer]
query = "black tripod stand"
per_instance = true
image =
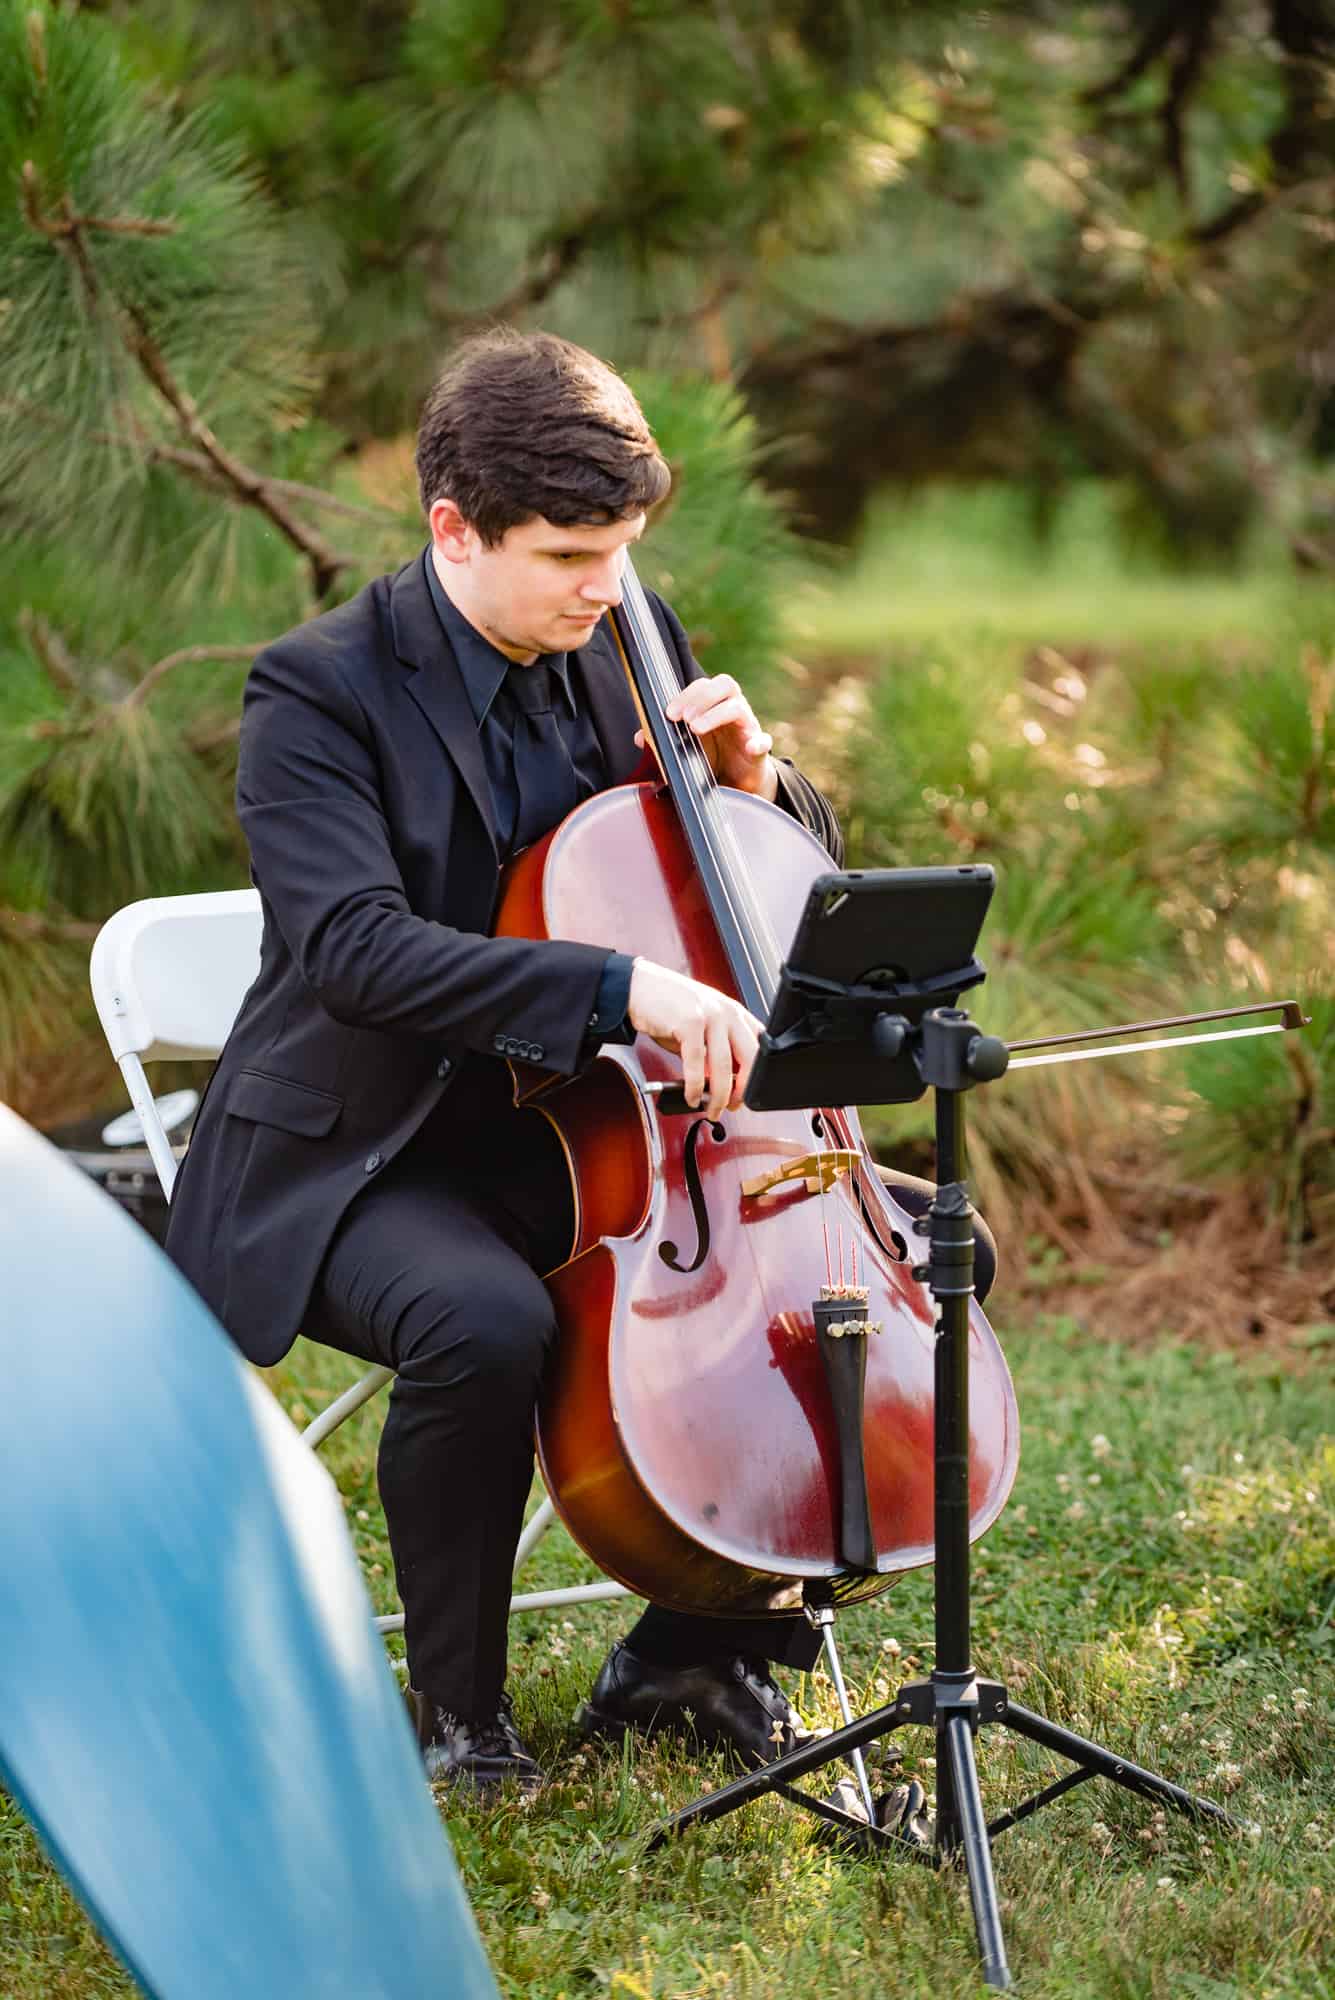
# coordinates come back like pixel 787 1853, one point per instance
pixel 950 1056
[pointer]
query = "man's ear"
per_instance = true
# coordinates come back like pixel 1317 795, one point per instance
pixel 450 533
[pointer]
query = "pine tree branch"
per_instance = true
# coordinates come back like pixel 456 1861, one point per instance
pixel 201 468
pixel 69 223
pixel 73 680
pixel 1307 38
pixel 197 464
pixel 186 656
pixel 558 257
pixel 1181 35
pixel 1156 38
pixel 1183 77
pixel 249 486
pixel 52 652
pixel 213 735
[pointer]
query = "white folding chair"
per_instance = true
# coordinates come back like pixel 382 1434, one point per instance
pixel 168 977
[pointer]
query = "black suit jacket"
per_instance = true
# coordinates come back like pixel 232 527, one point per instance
pixel 364 798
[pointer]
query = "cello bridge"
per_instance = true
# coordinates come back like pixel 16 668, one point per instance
pixel 817 1171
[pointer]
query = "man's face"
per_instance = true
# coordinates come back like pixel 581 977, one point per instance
pixel 541 589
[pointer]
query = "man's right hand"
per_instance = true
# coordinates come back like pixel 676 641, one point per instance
pixel 715 1036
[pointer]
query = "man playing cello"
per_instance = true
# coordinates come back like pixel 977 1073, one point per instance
pixel 358 1170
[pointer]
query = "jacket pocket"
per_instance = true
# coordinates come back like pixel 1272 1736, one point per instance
pixel 277 1100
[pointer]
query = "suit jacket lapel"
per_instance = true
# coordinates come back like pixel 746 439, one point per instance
pixel 437 686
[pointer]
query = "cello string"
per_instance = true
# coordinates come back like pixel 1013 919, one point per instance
pixel 708 788
pixel 708 781
pixel 697 769
pixel 751 919
pixel 752 927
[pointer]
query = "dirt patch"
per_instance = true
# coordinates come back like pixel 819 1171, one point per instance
pixel 1193 1264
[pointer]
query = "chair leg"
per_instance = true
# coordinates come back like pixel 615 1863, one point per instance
pixel 159 1145
pixel 578 1593
pixel 551 1600
pixel 855 1757
pixel 536 1600
pixel 533 1533
pixel 343 1406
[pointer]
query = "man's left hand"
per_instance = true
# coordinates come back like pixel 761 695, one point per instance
pixel 738 748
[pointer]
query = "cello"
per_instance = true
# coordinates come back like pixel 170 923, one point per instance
pixel 686 1428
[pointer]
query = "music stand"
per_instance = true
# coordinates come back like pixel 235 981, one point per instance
pixel 834 1035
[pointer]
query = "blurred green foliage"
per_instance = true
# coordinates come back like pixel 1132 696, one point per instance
pixel 1073 261
pixel 1147 762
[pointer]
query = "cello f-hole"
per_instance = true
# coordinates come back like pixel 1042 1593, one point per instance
pixel 700 1213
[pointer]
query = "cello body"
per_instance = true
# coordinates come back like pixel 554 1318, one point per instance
pixel 685 1429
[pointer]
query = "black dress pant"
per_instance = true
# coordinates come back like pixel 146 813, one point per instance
pixel 433 1272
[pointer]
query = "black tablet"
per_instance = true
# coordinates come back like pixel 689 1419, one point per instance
pixel 876 940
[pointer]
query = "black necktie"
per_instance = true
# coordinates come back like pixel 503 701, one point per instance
pixel 544 775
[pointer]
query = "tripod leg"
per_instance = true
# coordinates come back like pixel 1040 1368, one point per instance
pixel 1121 1770
pixel 773 1777
pixel 968 1809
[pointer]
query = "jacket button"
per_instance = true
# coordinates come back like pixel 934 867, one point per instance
pixel 372 1162
pixel 443 1068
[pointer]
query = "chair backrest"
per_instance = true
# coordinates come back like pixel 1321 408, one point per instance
pixel 195 1708
pixel 169 974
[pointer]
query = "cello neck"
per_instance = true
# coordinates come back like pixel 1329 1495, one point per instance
pixel 750 946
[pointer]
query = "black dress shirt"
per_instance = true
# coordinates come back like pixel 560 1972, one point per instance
pixel 484 668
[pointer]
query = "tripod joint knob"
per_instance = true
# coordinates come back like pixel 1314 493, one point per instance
pixel 887 1035
pixel 987 1058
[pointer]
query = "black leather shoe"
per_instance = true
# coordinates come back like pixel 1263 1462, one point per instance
pixel 457 1752
pixel 730 1702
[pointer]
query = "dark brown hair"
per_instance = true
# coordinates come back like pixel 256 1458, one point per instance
pixel 526 424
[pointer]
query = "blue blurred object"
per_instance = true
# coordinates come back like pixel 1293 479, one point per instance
pixel 195 1710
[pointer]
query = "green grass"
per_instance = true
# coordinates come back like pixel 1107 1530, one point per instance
pixel 958 563
pixel 1171 1589
pixel 1163 1578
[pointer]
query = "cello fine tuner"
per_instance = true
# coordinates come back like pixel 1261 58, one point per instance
pixel 854 1298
